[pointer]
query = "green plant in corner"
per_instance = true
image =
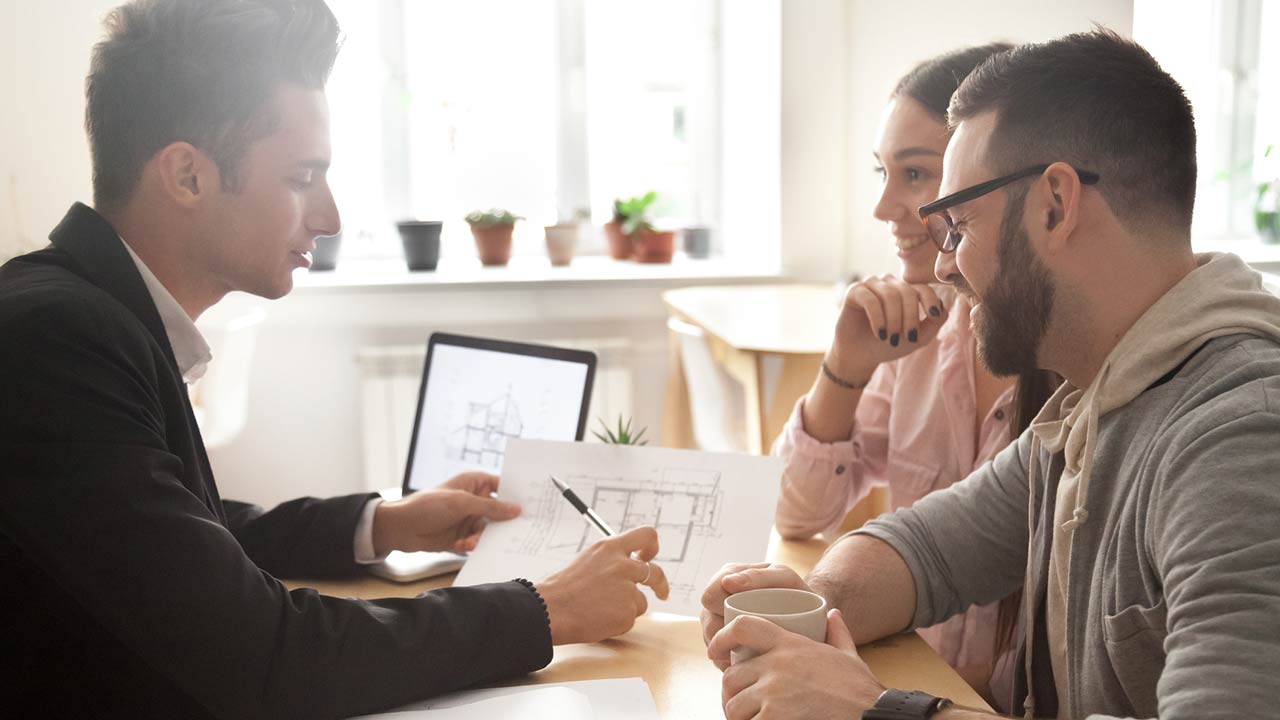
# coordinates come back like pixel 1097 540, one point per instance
pixel 492 216
pixel 633 213
pixel 622 436
pixel 1266 207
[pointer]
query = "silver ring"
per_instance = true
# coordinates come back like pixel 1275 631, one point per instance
pixel 648 570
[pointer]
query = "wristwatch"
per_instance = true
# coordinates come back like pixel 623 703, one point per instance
pixel 903 705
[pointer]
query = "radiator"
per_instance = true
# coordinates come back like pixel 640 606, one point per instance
pixel 390 378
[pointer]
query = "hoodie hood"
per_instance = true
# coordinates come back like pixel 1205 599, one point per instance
pixel 1221 296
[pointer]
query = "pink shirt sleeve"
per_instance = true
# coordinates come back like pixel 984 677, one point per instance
pixel 821 482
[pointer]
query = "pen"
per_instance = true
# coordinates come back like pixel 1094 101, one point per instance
pixel 581 507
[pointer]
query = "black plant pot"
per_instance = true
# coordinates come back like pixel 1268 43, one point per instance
pixel 421 240
pixel 326 255
pixel 697 242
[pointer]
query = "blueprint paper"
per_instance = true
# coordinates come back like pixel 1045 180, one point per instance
pixel 709 509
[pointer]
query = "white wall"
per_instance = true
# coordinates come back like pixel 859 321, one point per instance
pixel 44 158
pixel 815 139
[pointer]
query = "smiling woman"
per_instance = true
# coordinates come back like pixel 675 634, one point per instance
pixel 901 401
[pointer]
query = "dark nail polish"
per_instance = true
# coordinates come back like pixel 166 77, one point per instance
pixel 883 334
pixel 911 335
pixel 893 340
pixel 934 311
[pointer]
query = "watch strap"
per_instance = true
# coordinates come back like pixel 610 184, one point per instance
pixel 904 705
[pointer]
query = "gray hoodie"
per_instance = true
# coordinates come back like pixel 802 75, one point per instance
pixel 1166 555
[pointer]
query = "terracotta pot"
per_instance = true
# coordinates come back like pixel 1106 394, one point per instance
pixel 561 242
pixel 619 244
pixel 493 243
pixel 654 246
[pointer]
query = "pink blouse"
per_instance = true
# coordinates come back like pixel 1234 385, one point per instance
pixel 913 433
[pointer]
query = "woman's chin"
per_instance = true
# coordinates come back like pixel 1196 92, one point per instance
pixel 917 265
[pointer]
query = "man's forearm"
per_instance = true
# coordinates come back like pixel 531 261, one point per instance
pixel 870 583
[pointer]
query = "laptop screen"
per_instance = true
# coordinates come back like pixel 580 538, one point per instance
pixel 478 393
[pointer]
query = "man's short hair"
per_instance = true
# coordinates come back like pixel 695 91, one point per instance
pixel 199 71
pixel 1101 103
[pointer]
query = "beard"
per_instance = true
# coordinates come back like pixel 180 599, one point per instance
pixel 1014 315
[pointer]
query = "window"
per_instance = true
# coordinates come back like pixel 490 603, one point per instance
pixel 549 108
pixel 1215 50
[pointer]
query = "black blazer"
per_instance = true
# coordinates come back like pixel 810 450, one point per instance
pixel 130 589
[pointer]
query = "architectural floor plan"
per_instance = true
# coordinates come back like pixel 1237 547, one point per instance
pixel 708 509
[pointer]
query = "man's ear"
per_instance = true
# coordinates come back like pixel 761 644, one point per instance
pixel 1055 210
pixel 186 173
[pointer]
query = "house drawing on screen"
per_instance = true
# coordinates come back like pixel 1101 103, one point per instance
pixel 489 425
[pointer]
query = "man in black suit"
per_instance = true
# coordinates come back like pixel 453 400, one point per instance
pixel 130 587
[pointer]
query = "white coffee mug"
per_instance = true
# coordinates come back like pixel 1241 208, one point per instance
pixel 798 611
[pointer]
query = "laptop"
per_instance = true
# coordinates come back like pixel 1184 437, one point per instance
pixel 476 394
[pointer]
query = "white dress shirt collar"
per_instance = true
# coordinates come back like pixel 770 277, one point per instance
pixel 189 347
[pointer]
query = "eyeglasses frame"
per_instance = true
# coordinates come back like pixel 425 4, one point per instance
pixel 942 204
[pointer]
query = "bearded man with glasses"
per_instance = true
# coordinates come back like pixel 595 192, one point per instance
pixel 1137 513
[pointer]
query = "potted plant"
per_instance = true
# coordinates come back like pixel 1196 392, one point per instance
pixel 652 246
pixel 623 435
pixel 421 241
pixel 627 215
pixel 1266 207
pixel 697 241
pixel 562 240
pixel 492 230
pixel 325 256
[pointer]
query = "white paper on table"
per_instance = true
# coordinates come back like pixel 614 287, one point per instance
pixel 613 699
pixel 709 509
pixel 559 702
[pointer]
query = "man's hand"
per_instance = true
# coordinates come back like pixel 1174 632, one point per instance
pixel 596 596
pixel 793 677
pixel 449 517
pixel 736 578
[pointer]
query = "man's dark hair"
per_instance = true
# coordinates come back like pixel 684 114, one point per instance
pixel 1101 103
pixel 199 71
pixel 934 81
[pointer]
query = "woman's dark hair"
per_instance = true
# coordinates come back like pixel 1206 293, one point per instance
pixel 199 71
pixel 934 81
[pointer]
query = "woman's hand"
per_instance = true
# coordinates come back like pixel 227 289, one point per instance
pixel 882 319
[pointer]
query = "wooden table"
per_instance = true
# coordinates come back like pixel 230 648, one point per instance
pixel 668 652
pixel 749 327
pixel 771 339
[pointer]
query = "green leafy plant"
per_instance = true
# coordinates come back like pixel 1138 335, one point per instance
pixel 622 436
pixel 492 216
pixel 633 213
pixel 1266 207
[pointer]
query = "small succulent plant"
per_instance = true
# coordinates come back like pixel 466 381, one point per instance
pixel 622 435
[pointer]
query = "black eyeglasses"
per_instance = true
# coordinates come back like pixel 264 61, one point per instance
pixel 942 230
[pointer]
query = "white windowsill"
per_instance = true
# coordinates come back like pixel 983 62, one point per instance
pixel 1249 248
pixel 526 273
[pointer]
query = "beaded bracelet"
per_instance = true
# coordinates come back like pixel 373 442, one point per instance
pixel 839 381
